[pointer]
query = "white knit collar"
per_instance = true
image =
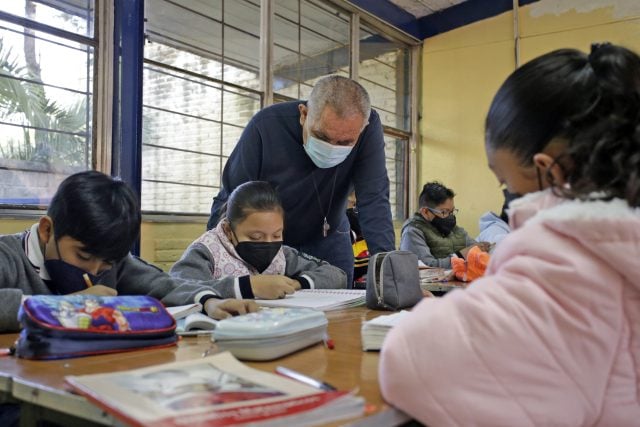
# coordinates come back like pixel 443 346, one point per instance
pixel 34 252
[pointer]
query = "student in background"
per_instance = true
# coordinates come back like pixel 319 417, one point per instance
pixel 359 245
pixel 494 228
pixel 549 336
pixel 432 233
pixel 82 247
pixel 243 257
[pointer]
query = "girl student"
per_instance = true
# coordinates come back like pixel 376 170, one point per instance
pixel 551 334
pixel 243 255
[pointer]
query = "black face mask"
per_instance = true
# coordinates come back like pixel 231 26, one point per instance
pixel 67 278
pixel 444 225
pixel 258 254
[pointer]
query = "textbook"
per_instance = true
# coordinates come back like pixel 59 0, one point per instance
pixel 182 311
pixel 319 299
pixel 195 324
pixel 214 391
pixel 375 330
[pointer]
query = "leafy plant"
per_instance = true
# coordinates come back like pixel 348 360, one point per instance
pixel 51 134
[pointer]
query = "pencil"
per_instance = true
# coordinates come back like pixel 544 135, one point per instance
pixel 87 280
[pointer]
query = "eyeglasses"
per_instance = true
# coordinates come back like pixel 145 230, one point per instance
pixel 444 213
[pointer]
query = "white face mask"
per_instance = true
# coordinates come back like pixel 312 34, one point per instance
pixel 325 155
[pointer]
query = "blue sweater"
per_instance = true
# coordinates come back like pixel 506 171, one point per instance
pixel 270 149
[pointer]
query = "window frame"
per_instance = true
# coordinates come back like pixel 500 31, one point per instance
pixel 17 210
pixel 117 71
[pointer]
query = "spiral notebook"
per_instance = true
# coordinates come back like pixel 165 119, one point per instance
pixel 319 299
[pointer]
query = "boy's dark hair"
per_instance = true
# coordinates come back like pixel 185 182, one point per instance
pixel 592 101
pixel 100 211
pixel 252 196
pixel 433 194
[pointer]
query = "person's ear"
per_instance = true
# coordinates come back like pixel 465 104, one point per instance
pixel 547 164
pixel 226 227
pixel 303 113
pixel 45 229
pixel 425 213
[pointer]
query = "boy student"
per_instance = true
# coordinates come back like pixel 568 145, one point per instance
pixel 82 247
pixel 432 233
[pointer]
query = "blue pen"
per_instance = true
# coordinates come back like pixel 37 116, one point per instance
pixel 304 379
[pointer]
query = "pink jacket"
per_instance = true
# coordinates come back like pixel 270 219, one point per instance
pixel 550 336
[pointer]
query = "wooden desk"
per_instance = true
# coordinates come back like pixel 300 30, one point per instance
pixel 41 383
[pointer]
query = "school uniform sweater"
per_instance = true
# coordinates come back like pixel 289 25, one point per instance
pixel 198 263
pixel 22 274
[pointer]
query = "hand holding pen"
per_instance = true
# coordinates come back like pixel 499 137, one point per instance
pixel 98 290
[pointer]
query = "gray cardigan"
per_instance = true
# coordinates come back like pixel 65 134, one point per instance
pixel 197 263
pixel 129 276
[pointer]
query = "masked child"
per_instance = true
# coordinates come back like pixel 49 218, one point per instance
pixel 82 246
pixel 243 257
pixel 549 335
pixel 432 233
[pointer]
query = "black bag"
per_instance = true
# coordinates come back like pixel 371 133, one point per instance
pixel 393 281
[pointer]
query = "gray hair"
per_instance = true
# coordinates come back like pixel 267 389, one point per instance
pixel 345 96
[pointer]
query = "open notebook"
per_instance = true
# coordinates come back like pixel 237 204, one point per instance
pixel 319 299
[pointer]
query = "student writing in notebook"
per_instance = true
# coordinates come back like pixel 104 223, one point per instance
pixel 549 336
pixel 243 256
pixel 82 246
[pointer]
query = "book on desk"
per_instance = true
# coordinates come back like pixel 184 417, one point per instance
pixel 213 391
pixel 374 331
pixel 319 299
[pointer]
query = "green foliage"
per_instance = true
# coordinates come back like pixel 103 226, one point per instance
pixel 23 102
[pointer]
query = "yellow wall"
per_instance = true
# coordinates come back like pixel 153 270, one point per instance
pixel 10 226
pixel 463 68
pixel 162 243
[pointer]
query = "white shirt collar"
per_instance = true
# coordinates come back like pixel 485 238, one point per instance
pixel 34 252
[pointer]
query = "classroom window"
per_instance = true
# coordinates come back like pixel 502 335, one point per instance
pixel 46 104
pixel 311 40
pixel 202 86
pixel 201 79
pixel 384 67
pixel 384 70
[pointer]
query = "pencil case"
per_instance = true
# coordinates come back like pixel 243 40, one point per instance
pixel 271 332
pixel 58 327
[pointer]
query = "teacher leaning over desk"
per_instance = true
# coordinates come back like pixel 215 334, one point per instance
pixel 314 153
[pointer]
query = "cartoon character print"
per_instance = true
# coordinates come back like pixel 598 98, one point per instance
pixel 89 313
pixel 105 318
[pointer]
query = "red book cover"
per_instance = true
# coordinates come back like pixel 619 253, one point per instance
pixel 214 391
